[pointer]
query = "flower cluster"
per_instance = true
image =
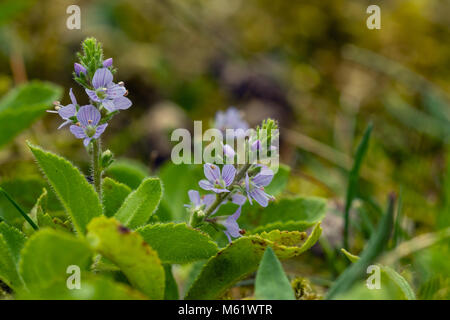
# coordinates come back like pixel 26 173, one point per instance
pixel 231 183
pixel 106 98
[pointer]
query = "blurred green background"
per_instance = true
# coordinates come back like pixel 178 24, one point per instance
pixel 313 66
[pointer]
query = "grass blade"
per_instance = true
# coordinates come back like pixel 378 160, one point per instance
pixel 21 211
pixel 353 179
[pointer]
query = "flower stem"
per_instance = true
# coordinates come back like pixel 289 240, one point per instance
pixel 96 167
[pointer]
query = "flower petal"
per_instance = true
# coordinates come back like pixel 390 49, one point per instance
pixel 206 185
pixel 114 91
pixel 228 151
pixel 78 131
pixel 122 103
pixel 88 115
pixel 102 78
pixel 86 141
pixel 260 196
pixel 232 225
pixel 99 130
pixel 238 199
pixel 65 123
pixel 109 105
pixel 263 178
pixel 72 97
pixel 212 172
pixel 209 199
pixel 67 111
pixel 228 173
pixel 92 95
pixel 194 196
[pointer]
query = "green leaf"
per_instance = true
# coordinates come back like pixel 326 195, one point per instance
pixel 375 246
pixel 241 258
pixel 171 290
pixel 24 105
pixel 77 196
pixel 140 204
pixel 279 181
pixel 47 255
pixel 351 257
pixel 11 242
pixel 114 194
pixel 178 243
pixel 271 282
pixel 400 282
pixel 290 214
pixel 128 172
pixel 25 190
pixel 39 208
pixel 92 288
pixel 352 188
pixel 128 250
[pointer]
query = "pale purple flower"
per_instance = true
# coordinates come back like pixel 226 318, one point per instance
pixel 231 225
pixel 217 181
pixel 228 151
pixel 111 95
pixel 197 201
pixel 230 119
pixel 256 145
pixel 87 127
pixel 107 63
pixel 66 112
pixel 79 69
pixel 255 186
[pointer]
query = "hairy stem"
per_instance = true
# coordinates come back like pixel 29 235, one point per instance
pixel 96 167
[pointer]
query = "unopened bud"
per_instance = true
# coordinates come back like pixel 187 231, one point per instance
pixel 107 158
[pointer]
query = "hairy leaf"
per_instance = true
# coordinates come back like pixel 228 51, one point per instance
pixel 178 243
pixel 140 204
pixel 271 282
pixel 241 258
pixel 290 214
pixel 24 105
pixel 114 193
pixel 127 172
pixel 11 242
pixel 128 250
pixel 77 196
pixel 47 255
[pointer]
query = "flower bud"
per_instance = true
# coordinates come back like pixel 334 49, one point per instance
pixel 107 158
pixel 108 63
pixel 79 69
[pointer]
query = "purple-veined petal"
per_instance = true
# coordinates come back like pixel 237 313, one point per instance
pixel 228 173
pixel 231 224
pixel 72 97
pixel 109 105
pixel 114 91
pixel 78 131
pixel 65 123
pixel 86 141
pixel 67 111
pixel 122 103
pixel 79 68
pixel 206 185
pixel 218 190
pixel 247 183
pixel 212 172
pixel 88 115
pixel 194 196
pixel 99 130
pixel 238 199
pixel 260 196
pixel 108 62
pixel 263 178
pixel 92 95
pixel 102 78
